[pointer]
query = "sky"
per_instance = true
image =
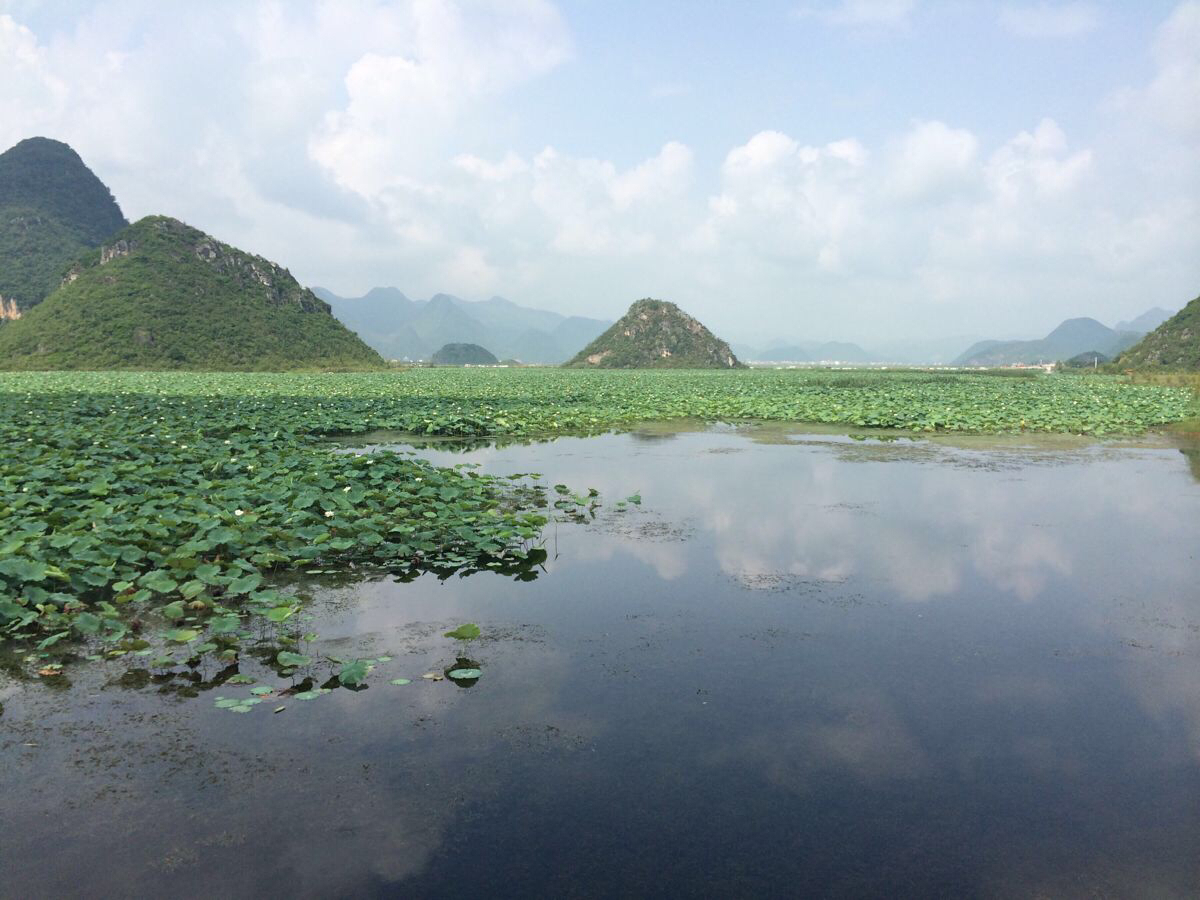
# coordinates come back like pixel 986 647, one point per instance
pixel 868 170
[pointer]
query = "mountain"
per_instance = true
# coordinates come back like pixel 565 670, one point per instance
pixel 655 334
pixel 400 328
pixel 1175 344
pixel 463 355
pixel 1146 322
pixel 162 295
pixel 1087 360
pixel 441 321
pixel 923 351
pixel 782 353
pixel 808 351
pixel 52 208
pixel 1072 337
pixel 839 351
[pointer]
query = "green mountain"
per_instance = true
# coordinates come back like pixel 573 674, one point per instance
pixel 1072 337
pixel 400 328
pixel 463 355
pixel 655 334
pixel 162 295
pixel 52 208
pixel 1175 344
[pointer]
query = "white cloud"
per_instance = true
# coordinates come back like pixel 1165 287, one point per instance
pixel 1035 165
pixel 786 201
pixel 401 104
pixel 862 13
pixel 509 167
pixel 1174 94
pixel 1050 20
pixel 931 161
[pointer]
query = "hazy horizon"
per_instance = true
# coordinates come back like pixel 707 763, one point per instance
pixel 863 170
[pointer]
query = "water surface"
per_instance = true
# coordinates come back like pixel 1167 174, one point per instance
pixel 805 665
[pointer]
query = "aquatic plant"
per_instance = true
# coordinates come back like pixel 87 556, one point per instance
pixel 167 516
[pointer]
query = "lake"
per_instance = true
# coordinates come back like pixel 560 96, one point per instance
pixel 807 663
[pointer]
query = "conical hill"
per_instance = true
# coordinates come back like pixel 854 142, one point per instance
pixel 655 334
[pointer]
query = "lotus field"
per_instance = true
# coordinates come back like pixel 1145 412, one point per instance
pixel 169 515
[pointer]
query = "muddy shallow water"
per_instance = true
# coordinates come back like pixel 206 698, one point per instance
pixel 806 664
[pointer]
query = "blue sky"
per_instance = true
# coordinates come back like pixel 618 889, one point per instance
pixel 740 68
pixel 853 169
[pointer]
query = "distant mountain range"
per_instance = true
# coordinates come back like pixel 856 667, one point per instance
pixel 1072 337
pixel 401 328
pixel 807 351
pixel 1146 322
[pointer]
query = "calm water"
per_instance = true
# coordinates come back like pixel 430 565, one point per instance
pixel 806 665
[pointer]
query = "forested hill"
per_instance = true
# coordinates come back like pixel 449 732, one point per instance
pixel 1175 344
pixel 163 295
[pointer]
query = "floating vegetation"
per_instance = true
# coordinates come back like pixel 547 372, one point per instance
pixel 466 632
pixel 164 517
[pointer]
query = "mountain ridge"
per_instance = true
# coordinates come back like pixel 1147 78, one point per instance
pixel 401 328
pixel 1068 339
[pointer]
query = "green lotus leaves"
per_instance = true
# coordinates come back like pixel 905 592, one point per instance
pixel 463 674
pixel 158 581
pixel 172 611
pixel 183 496
pixel 292 660
pixel 466 632
pixel 354 672
pixel 245 584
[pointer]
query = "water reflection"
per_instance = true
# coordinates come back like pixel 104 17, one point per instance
pixel 1192 454
pixel 806 664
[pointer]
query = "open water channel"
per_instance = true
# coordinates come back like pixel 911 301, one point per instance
pixel 805 665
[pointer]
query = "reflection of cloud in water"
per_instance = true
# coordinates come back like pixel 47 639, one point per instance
pixel 1169 694
pixel 925 519
pixel 857 733
pixel 667 557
